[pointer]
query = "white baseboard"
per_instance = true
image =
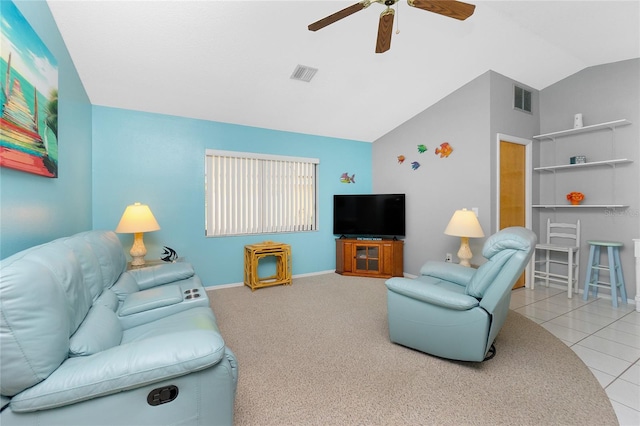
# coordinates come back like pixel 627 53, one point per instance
pixel 240 284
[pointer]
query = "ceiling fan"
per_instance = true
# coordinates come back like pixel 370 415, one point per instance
pixel 452 9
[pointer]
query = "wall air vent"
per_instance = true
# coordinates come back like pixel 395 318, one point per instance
pixel 303 73
pixel 521 99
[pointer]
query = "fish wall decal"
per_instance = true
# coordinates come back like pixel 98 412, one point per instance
pixel 444 150
pixel 346 179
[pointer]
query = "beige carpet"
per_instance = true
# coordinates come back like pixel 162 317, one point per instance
pixel 318 353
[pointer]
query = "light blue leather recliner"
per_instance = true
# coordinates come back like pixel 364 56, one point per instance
pixel 82 342
pixel 456 312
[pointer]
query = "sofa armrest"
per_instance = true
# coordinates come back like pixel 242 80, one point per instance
pixel 161 274
pixel 152 298
pixel 432 294
pixel 451 272
pixel 123 367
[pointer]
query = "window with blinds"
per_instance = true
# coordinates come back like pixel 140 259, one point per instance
pixel 250 193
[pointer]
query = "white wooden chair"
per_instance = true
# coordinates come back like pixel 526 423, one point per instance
pixel 562 248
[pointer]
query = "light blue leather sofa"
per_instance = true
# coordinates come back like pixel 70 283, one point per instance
pixel 456 312
pixel 82 342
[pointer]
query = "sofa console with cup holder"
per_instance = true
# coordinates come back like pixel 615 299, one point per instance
pixel 147 294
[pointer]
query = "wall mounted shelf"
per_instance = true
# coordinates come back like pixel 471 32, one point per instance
pixel 580 165
pixel 581 206
pixel 608 125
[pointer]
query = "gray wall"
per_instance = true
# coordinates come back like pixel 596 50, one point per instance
pixel 507 120
pixel 469 120
pixel 602 93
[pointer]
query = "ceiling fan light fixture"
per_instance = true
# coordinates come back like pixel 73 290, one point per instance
pixel 451 9
pixel 303 73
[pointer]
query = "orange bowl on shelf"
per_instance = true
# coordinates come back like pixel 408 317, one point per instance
pixel 575 197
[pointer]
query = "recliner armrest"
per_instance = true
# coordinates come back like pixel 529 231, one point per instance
pixel 123 367
pixel 451 272
pixel 161 274
pixel 432 294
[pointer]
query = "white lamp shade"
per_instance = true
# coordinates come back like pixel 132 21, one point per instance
pixel 464 223
pixel 137 218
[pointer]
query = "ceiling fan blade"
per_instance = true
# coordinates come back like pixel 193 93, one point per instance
pixel 339 15
pixel 452 9
pixel 385 29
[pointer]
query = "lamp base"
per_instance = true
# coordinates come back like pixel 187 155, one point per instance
pixel 464 254
pixel 138 250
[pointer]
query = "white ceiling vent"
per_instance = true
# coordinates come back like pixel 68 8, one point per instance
pixel 303 73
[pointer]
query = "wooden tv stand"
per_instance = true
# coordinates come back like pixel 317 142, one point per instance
pixel 369 258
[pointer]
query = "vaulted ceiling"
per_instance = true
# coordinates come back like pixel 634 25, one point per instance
pixel 231 61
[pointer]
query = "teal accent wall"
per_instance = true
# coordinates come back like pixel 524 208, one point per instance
pixel 159 160
pixel 35 209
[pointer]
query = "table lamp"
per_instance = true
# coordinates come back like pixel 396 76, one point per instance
pixel 464 224
pixel 137 219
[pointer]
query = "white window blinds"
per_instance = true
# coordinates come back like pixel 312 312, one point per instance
pixel 255 193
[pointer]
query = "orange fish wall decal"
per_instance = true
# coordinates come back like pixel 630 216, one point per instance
pixel 444 150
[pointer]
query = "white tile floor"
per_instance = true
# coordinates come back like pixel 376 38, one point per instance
pixel 607 339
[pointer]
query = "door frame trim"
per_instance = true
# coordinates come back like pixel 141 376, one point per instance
pixel 528 177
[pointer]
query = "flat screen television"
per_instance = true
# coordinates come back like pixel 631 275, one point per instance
pixel 369 215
